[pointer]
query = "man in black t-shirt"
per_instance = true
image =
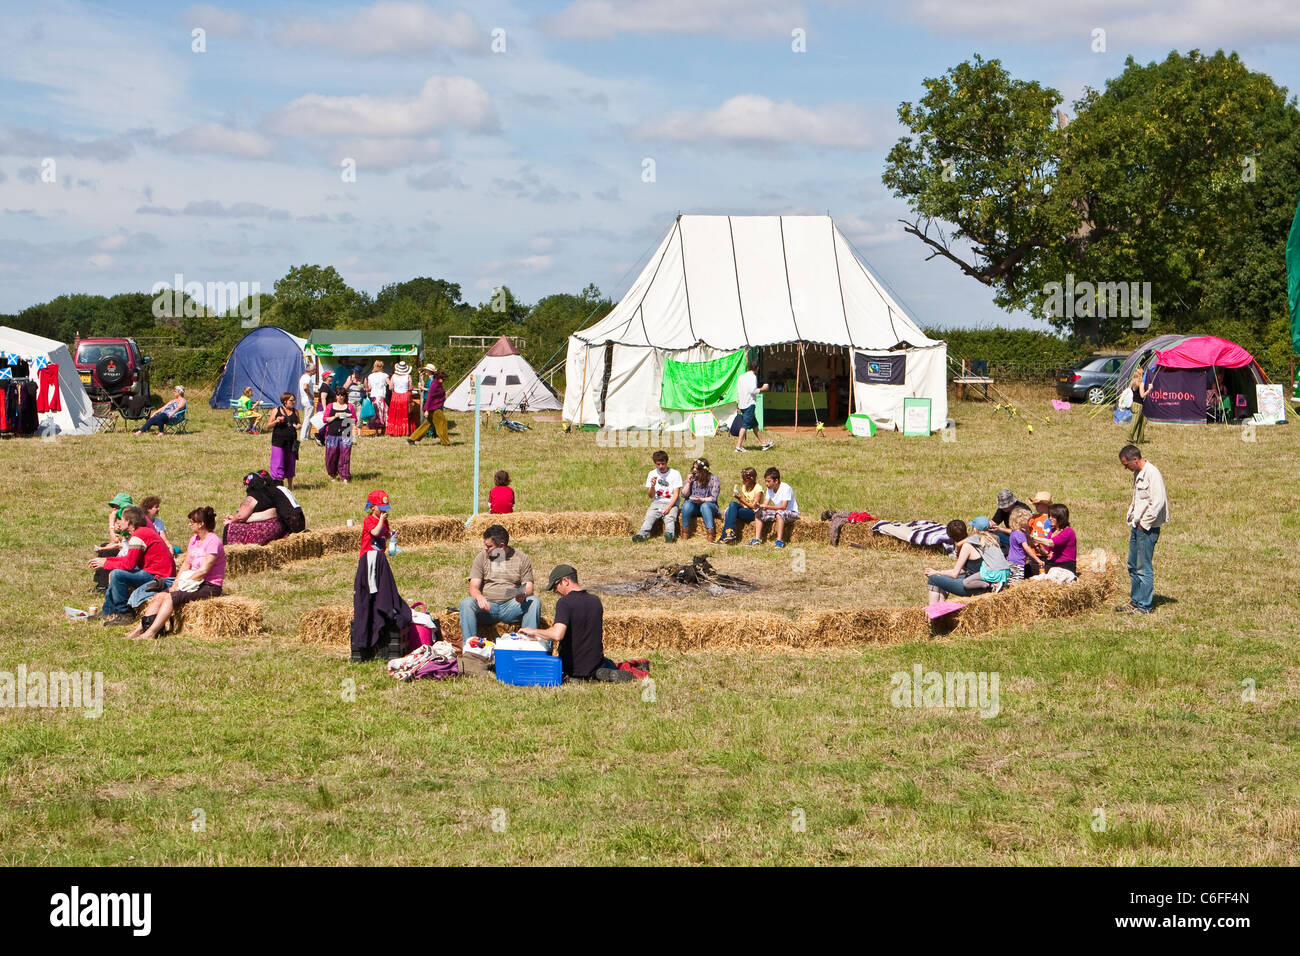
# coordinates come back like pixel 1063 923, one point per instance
pixel 578 628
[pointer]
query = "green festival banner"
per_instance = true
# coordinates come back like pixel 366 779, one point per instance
pixel 1293 278
pixel 697 385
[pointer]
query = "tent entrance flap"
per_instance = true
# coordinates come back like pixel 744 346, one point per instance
pixel 691 386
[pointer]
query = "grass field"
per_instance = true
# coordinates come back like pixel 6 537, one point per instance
pixel 249 752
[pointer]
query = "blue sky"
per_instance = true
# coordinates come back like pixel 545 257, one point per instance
pixel 522 167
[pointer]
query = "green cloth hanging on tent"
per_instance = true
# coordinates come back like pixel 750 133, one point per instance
pixel 696 385
pixel 1293 279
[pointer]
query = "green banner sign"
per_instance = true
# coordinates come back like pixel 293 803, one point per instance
pixel 698 385
pixel 324 350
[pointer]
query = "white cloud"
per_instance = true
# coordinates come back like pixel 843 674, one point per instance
pixel 383 153
pixel 215 138
pixel 602 19
pixel 217 21
pixel 386 28
pixel 101 260
pixel 1211 24
pixel 750 119
pixel 443 101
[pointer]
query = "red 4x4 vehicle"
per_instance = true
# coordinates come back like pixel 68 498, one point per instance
pixel 112 369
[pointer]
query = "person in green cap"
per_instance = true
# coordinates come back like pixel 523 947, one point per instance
pixel 119 501
pixel 579 629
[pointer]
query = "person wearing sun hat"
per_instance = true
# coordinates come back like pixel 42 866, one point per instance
pixel 435 397
pixel 399 407
pixel 380 618
pixel 1040 531
pixel 115 505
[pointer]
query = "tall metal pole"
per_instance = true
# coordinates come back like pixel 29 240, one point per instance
pixel 478 420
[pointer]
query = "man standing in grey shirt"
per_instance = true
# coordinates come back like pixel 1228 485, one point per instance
pixel 1147 513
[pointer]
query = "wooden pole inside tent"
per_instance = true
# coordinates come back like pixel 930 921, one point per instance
pixel 797 363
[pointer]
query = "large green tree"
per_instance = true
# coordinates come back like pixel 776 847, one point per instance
pixel 1155 180
pixel 315 297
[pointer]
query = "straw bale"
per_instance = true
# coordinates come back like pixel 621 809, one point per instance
pixel 415 531
pixel 556 524
pixel 220 617
pixel 339 540
pixel 331 625
pixel 296 547
pixel 249 559
pixel 676 630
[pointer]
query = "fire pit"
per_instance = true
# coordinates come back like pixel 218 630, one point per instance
pixel 682 580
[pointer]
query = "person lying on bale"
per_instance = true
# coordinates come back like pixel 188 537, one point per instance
pixel 980 564
pixel 203 575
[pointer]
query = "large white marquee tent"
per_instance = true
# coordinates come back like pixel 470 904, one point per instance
pixel 717 284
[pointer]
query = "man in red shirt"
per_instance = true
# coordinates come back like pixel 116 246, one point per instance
pixel 147 558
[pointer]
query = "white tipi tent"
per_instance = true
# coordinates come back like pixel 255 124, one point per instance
pixel 508 382
pixel 75 416
pixel 718 284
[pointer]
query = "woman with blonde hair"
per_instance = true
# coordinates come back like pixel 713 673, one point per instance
pixel 1140 391
pixel 746 497
pixel 378 383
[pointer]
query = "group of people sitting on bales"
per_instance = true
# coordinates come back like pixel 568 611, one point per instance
pixel 136 568
pixel 1017 542
pixel 772 503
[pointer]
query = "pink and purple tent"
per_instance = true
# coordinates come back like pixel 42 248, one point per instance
pixel 1195 379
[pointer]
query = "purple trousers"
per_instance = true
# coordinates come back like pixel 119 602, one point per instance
pixel 338 458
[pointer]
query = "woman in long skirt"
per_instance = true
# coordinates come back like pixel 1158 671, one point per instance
pixel 399 409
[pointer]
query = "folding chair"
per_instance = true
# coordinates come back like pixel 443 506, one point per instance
pixel 104 416
pixel 180 422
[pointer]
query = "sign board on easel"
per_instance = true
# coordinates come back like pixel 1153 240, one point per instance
pixel 916 416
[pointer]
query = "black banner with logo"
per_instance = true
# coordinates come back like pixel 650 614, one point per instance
pixel 879 369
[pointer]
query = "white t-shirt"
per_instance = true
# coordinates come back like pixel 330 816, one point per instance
pixel 783 493
pixel 378 382
pixel 663 484
pixel 304 391
pixel 746 390
pixel 401 384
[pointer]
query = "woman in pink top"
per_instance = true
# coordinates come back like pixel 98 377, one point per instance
pixel 205 562
pixel 1065 547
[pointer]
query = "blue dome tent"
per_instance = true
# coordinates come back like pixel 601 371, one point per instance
pixel 267 358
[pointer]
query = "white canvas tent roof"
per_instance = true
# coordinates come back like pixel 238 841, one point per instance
pixel 732 281
pixel 508 382
pixel 76 416
pixel 717 284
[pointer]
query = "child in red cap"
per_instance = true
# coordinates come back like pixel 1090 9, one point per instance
pixel 375 529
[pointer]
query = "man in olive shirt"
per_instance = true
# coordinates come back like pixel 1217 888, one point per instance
pixel 500 586
pixel 579 629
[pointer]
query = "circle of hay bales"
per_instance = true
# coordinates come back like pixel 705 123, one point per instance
pixel 654 629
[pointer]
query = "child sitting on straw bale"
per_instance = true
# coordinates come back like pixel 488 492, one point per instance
pixel 1016 552
pixel 664 486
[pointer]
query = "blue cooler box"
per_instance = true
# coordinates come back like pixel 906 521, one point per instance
pixel 528 668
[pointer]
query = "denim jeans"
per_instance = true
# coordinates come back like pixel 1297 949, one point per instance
pixel 737 514
pixel 141 595
pixel 530 615
pixel 1141 571
pixel 120 585
pixel 962 587
pixel 708 510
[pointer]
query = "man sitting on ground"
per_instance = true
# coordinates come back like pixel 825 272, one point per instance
pixel 579 629
pixel 148 558
pixel 500 586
